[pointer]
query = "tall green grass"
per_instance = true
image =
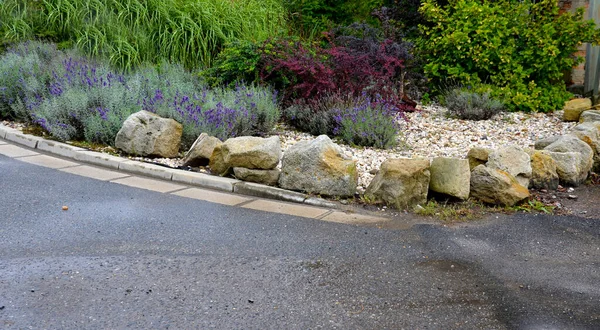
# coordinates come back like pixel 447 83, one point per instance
pixel 131 32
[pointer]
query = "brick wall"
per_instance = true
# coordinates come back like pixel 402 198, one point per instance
pixel 576 77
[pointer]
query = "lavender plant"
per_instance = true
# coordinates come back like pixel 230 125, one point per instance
pixel 73 97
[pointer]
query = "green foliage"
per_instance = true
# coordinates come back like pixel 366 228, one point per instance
pixel 521 48
pixel 238 61
pixel 132 32
pixel 311 17
pixel 471 105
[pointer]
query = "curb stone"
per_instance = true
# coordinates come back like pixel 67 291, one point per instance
pixel 192 178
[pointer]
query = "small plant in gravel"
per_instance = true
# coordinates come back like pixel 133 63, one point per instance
pixel 471 105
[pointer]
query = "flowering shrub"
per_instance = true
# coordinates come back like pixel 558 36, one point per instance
pixel 72 97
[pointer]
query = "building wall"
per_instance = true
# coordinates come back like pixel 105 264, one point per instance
pixel 578 73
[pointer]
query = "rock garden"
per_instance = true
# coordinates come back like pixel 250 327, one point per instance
pixel 378 112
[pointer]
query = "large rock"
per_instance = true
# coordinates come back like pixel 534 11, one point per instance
pixel 200 152
pixel 574 108
pixel 568 167
pixel 512 160
pixel 450 176
pixel 318 167
pixel 217 162
pixel 590 116
pixel 544 174
pixel 494 186
pixel 268 177
pixel 477 156
pixel 146 134
pixel 589 132
pixel 570 143
pixel 543 143
pixel 402 183
pixel 252 152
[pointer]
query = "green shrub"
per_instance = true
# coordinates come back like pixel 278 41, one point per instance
pixel 238 61
pixel 471 105
pixel 521 48
pixel 129 33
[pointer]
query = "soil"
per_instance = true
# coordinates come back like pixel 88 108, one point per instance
pixel 582 201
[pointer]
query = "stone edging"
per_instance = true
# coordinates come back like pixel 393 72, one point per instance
pixel 135 167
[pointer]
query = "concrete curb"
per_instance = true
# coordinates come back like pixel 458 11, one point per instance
pixel 155 171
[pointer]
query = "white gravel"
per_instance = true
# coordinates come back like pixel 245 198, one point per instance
pixel 430 133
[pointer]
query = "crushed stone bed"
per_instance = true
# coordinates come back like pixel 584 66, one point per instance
pixel 429 133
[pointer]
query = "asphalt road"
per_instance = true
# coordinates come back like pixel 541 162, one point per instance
pixel 123 257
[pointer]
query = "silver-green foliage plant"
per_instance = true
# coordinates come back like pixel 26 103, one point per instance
pixel 72 97
pixel 471 105
pixel 132 32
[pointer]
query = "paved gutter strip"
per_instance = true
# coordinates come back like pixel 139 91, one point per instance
pixel 182 180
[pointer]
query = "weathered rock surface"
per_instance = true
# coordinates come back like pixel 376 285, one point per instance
pixel 217 162
pixel 543 143
pixel 402 183
pixel 570 143
pixel 589 116
pixel 494 186
pixel 512 160
pixel 589 132
pixel 268 177
pixel 574 108
pixel 252 152
pixel 147 134
pixel 568 167
pixel 544 174
pixel 318 166
pixel 200 152
pixel 450 176
pixel 477 156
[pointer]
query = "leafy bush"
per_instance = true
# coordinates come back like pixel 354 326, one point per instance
pixel 521 48
pixel 239 61
pixel 358 60
pixel 72 97
pixel 362 120
pixel 132 32
pixel 471 105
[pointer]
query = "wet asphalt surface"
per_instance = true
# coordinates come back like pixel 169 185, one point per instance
pixel 122 257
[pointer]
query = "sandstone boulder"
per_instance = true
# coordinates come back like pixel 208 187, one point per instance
pixel 590 116
pixel 200 152
pixel 477 156
pixel 252 152
pixel 402 183
pixel 450 176
pixel 589 132
pixel 147 134
pixel 268 177
pixel 512 160
pixel 494 186
pixel 217 162
pixel 574 108
pixel 320 167
pixel 570 143
pixel 543 143
pixel 544 174
pixel 568 167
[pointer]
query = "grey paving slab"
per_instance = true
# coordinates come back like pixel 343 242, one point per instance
pixel 48 161
pixel 154 171
pixel 204 180
pixel 212 196
pixel 98 158
pixel 149 184
pixel 285 208
pixel 95 173
pixel 23 139
pixel 58 148
pixel 14 151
